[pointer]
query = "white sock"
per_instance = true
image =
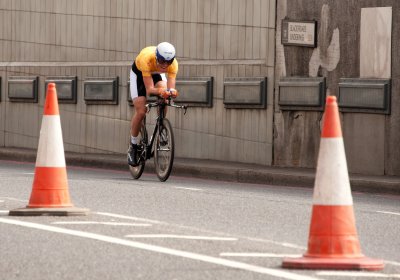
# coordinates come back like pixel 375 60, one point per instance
pixel 134 140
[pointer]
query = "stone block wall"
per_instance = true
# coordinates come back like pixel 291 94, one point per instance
pixel 371 139
pixel 100 38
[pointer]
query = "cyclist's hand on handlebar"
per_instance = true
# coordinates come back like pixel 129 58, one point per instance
pixel 164 93
pixel 173 92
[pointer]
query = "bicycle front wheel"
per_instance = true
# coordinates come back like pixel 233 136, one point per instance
pixel 137 171
pixel 164 150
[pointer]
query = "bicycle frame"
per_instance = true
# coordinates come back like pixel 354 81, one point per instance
pixel 161 104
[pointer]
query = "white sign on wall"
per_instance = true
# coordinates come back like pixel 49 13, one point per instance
pixel 299 33
pixel 376 42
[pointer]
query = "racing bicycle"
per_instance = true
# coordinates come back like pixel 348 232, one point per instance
pixel 161 143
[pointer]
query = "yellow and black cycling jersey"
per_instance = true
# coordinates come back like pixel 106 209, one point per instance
pixel 147 64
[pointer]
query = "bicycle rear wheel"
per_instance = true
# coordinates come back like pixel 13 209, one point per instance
pixel 137 171
pixel 164 150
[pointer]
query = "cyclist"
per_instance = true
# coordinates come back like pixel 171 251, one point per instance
pixel 147 76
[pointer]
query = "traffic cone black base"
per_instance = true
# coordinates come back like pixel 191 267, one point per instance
pixel 67 211
pixel 333 263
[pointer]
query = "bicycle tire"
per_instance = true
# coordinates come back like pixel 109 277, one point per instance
pixel 164 151
pixel 137 171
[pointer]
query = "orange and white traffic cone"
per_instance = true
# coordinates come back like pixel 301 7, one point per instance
pixel 333 241
pixel 50 195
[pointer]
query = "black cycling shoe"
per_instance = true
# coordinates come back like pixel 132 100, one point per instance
pixel 132 155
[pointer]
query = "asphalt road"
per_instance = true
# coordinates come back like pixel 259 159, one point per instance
pixel 184 228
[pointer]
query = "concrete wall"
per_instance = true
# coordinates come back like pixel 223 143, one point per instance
pixel 371 140
pixel 100 38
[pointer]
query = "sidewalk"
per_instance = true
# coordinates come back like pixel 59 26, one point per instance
pixel 219 170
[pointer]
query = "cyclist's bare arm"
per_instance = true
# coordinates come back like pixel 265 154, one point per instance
pixel 150 88
pixel 171 82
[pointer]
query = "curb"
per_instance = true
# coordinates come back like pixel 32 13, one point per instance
pixel 218 170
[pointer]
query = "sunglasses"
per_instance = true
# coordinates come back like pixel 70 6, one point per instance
pixel 163 61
